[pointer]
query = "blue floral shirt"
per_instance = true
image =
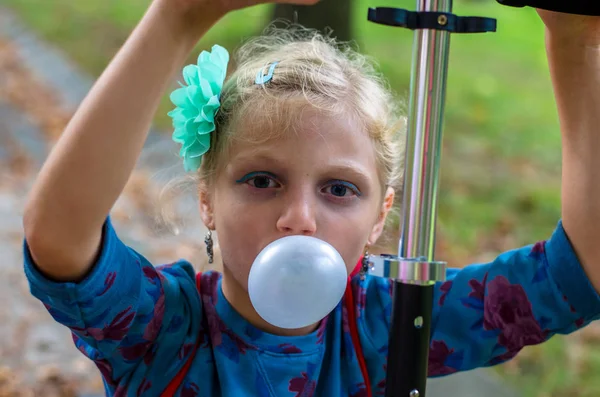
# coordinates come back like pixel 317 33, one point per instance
pixel 139 324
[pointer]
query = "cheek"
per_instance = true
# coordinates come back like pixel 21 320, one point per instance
pixel 239 229
pixel 353 250
pixel 350 235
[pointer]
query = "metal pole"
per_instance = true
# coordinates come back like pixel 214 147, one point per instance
pixel 417 272
pixel 424 136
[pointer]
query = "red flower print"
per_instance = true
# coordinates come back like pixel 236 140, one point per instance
pixel 507 308
pixel 439 353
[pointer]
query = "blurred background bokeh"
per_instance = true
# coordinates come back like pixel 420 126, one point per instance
pixel 501 167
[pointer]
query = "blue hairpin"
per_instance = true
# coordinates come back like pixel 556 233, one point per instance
pixel 262 78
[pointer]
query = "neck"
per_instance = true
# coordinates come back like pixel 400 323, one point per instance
pixel 238 297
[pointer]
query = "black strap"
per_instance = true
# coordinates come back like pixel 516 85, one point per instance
pixel 430 20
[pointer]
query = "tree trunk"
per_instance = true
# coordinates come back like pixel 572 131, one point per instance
pixel 325 15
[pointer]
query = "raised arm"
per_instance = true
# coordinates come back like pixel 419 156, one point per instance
pixel 573 47
pixel 92 161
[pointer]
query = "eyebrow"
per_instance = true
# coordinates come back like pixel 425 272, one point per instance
pixel 350 168
pixel 257 156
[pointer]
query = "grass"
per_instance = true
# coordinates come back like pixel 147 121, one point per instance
pixel 501 160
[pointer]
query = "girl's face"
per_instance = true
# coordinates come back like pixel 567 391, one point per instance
pixel 320 180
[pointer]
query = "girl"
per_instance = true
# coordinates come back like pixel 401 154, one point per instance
pixel 302 144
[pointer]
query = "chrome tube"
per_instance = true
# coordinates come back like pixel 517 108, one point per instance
pixel 424 137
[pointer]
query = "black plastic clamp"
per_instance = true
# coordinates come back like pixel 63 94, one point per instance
pixel 430 20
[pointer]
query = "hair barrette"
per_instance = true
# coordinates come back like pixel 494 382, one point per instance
pixel 262 78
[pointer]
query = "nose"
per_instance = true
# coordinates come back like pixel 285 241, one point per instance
pixel 298 214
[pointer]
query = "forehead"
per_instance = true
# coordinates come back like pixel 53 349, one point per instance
pixel 305 135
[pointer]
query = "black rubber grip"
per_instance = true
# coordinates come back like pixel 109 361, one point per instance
pixel 410 333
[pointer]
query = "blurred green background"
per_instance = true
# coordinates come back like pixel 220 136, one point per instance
pixel 501 161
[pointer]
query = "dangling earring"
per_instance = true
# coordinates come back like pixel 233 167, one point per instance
pixel 364 264
pixel 209 246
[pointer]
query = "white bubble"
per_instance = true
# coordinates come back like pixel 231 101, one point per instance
pixel 296 281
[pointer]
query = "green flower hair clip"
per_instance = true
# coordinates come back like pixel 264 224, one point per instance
pixel 196 105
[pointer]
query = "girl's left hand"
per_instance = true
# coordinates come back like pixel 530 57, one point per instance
pixel 573 28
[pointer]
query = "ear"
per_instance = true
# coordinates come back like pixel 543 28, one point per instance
pixel 386 206
pixel 205 199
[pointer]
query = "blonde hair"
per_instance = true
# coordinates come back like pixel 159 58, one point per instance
pixel 312 71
